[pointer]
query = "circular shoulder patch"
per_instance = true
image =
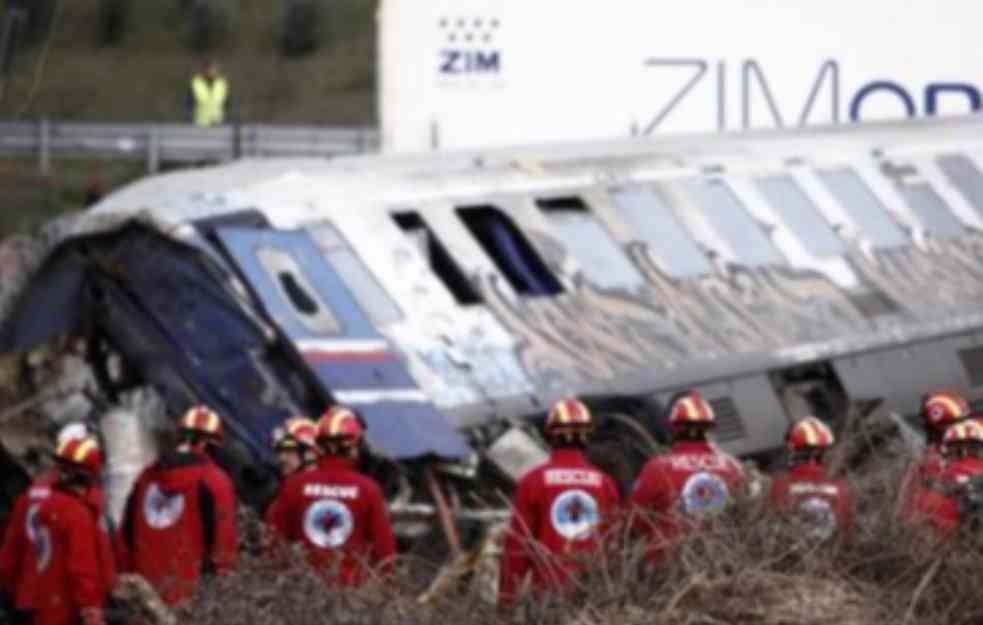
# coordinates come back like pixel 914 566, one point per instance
pixel 328 523
pixel 575 515
pixel 818 515
pixel 40 538
pixel 704 494
pixel 161 510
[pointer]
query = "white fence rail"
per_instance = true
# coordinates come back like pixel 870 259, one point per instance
pixel 178 143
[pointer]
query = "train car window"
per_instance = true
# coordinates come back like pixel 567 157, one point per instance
pixel 601 259
pixel 298 292
pixel 509 250
pixel 654 223
pixel 864 208
pixel 441 262
pixel 965 176
pixel 373 299
pixel 931 210
pixel 733 223
pixel 801 216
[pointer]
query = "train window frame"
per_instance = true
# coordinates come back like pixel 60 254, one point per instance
pixel 588 241
pixel 533 278
pixel 932 211
pixel 962 172
pixel 892 237
pixel 808 219
pixel 439 260
pixel 361 281
pixel 761 252
pixel 281 265
pixel 676 252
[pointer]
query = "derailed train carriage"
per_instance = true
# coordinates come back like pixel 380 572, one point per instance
pixel 451 298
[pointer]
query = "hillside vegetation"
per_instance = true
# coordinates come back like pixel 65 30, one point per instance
pixel 66 71
pixel 69 74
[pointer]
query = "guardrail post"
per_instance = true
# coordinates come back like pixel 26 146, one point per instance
pixel 44 146
pixel 236 140
pixel 153 150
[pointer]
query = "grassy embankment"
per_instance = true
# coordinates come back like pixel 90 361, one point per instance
pixel 144 78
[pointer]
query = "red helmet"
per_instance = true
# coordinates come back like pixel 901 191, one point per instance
pixel 808 434
pixel 340 425
pixel 943 408
pixel 81 454
pixel 204 421
pixel 969 431
pixel 690 409
pixel 569 418
pixel 295 433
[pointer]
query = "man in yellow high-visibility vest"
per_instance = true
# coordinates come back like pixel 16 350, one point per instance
pixel 208 96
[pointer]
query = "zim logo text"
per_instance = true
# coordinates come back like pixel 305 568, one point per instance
pixel 457 61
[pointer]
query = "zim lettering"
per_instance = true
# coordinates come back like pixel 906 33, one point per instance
pixel 470 61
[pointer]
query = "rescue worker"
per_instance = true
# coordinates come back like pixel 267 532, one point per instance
pixel 694 482
pixel 208 96
pixel 823 503
pixel 561 510
pixel 180 518
pixel 939 411
pixel 75 571
pixel 959 499
pixel 295 445
pixel 18 562
pixel 335 511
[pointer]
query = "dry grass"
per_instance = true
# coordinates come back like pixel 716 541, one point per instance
pixel 747 568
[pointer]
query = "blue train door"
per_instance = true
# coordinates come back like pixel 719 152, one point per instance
pixel 310 302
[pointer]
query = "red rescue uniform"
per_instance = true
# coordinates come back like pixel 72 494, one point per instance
pixel 940 510
pixel 921 497
pixel 806 490
pixel 180 523
pixel 676 491
pixel 75 568
pixel 563 508
pixel 18 564
pixel 340 516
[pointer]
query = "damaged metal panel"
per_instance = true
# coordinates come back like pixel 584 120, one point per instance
pixel 52 305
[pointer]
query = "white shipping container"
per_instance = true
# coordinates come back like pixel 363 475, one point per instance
pixel 481 73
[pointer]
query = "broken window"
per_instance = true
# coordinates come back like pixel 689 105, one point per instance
pixel 965 176
pixel 731 221
pixel 932 210
pixel 298 292
pixel 801 216
pixel 510 251
pixel 373 299
pixel 653 221
pixel 601 259
pixel 866 211
pixel 437 256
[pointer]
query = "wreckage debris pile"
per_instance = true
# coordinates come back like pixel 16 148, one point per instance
pixel 747 568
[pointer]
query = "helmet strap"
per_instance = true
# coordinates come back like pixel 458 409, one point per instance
pixel 805 456
pixel 690 432
pixel 933 435
pixel 71 478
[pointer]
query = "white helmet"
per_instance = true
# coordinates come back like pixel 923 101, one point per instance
pixel 72 431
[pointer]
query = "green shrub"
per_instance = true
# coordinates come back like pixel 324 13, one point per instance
pixel 40 14
pixel 210 22
pixel 301 26
pixel 114 16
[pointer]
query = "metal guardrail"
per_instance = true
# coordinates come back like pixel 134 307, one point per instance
pixel 181 143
